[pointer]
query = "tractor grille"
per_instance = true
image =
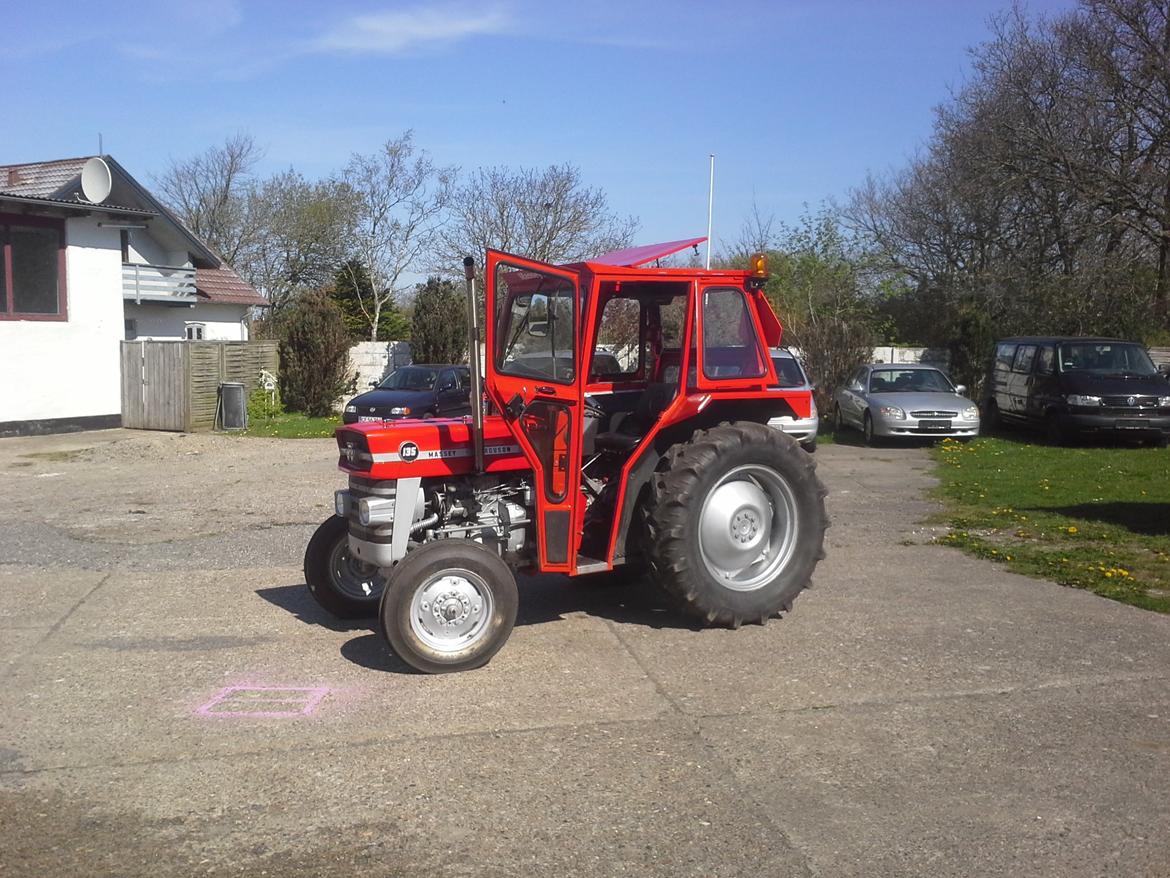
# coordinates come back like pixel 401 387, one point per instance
pixel 933 414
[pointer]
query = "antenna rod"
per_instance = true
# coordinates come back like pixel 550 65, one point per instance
pixel 473 358
pixel 710 207
pixel 100 150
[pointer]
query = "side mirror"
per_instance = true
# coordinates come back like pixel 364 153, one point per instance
pixel 538 328
pixel 960 389
pixel 446 387
pixel 1164 369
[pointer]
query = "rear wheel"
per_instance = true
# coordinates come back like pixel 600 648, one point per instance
pixel 449 606
pixel 339 582
pixel 1057 431
pixel 736 524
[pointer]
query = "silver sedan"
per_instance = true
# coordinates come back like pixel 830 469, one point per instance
pixel 904 401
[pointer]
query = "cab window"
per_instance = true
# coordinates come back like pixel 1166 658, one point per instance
pixel 1045 359
pixel 730 347
pixel 619 349
pixel 535 324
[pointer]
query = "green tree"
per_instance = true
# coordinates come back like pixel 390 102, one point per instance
pixel 314 354
pixel 353 289
pixel 438 331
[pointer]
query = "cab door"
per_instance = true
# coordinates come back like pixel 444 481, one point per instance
pixel 535 372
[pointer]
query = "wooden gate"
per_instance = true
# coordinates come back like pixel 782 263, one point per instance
pixel 154 385
pixel 174 385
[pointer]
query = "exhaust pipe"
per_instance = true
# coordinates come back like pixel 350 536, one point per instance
pixel 476 378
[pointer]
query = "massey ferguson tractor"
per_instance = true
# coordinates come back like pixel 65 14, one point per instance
pixel 620 423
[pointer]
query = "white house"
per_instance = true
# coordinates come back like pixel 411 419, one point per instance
pixel 89 257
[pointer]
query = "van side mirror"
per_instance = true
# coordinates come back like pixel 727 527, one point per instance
pixel 1164 370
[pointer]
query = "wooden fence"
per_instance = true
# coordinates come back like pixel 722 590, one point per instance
pixel 174 385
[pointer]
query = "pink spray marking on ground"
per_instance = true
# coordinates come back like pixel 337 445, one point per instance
pixel 264 702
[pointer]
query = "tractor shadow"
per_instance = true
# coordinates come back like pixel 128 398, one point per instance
pixel 618 597
pixel 296 600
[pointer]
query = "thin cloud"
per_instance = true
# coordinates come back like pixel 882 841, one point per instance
pixel 404 30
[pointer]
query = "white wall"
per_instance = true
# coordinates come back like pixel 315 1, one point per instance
pixel 70 369
pixel 144 249
pixel 374 360
pixel 221 322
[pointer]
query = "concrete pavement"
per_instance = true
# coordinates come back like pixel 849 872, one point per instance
pixel 919 713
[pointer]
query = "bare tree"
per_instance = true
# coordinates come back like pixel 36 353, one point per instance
pixel 548 215
pixel 398 195
pixel 209 192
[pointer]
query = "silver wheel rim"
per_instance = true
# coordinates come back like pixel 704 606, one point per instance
pixel 748 527
pixel 451 611
pixel 352 577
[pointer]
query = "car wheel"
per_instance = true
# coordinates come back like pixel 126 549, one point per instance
pixel 809 445
pixel 1056 430
pixel 871 438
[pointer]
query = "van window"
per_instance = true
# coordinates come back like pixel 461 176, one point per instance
pixel 1024 357
pixel 1047 358
pixel 1004 354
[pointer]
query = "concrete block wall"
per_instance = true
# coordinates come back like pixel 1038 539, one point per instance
pixel 374 360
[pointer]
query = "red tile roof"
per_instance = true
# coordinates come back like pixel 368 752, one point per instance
pixel 40 179
pixel 224 286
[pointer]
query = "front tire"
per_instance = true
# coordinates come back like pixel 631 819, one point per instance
pixel 867 431
pixel 449 606
pixel 736 524
pixel 340 583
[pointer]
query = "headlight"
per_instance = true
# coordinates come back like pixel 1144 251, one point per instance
pixel 341 503
pixel 1080 399
pixel 970 413
pixel 1163 402
pixel 350 409
pixel 892 411
pixel 400 410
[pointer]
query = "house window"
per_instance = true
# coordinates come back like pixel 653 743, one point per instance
pixel 195 332
pixel 131 329
pixel 32 268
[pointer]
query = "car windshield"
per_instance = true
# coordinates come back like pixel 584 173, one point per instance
pixel 411 378
pixel 788 372
pixel 1106 358
pixel 909 381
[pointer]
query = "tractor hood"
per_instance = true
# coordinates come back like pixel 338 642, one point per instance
pixel 436 447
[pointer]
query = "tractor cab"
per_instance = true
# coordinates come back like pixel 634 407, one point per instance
pixel 603 364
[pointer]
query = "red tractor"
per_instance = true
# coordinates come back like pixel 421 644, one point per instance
pixel 626 424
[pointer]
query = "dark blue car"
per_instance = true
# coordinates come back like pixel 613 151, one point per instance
pixel 419 391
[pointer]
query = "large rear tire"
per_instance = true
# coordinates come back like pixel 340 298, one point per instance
pixel 736 523
pixel 448 606
pixel 340 583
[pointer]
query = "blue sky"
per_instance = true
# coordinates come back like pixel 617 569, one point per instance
pixel 797 99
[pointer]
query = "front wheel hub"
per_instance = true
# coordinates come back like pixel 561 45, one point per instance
pixel 449 612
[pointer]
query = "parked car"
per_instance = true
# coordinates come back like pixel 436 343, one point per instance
pixel 1069 386
pixel 904 400
pixel 790 374
pixel 419 391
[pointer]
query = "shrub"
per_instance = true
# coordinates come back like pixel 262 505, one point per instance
pixel 314 355
pixel 264 405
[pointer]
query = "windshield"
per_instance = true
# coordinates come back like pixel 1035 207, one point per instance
pixel 411 378
pixel 788 372
pixel 909 381
pixel 1106 358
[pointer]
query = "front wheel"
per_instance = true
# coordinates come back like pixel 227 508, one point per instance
pixel 736 524
pixel 449 606
pixel 867 430
pixel 339 582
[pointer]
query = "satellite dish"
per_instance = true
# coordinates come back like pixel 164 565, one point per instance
pixel 96 181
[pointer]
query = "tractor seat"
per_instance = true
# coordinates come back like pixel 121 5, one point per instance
pixel 634 426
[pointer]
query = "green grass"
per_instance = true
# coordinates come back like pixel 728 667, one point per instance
pixel 293 425
pixel 1096 518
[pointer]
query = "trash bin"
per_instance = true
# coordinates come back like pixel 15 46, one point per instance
pixel 233 406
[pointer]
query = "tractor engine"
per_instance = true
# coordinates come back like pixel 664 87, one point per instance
pixel 387 517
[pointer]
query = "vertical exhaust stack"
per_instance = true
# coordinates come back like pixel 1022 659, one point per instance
pixel 476 378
